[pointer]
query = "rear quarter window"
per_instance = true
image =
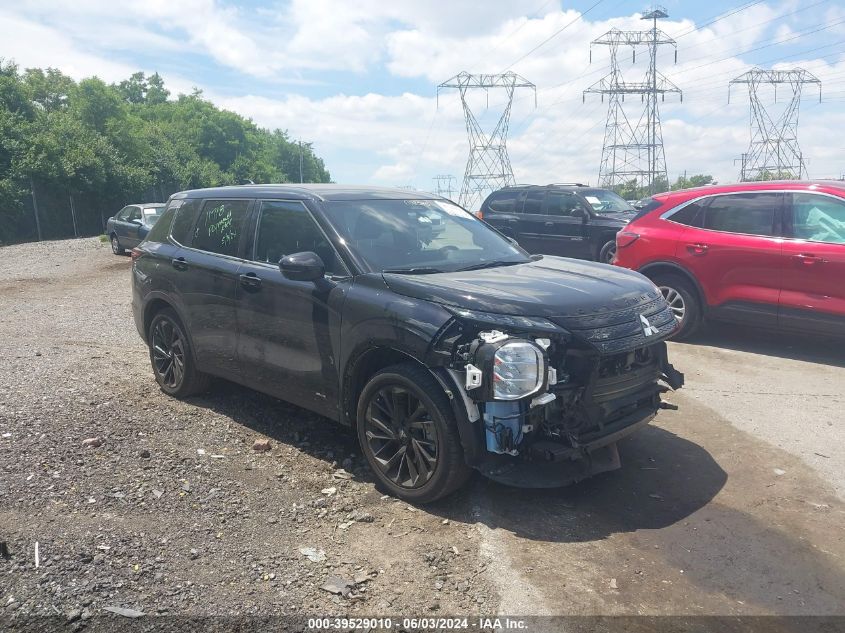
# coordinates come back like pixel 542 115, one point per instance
pixel 691 215
pixel 161 228
pixel 503 202
pixel 186 216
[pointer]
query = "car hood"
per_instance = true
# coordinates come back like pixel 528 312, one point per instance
pixel 550 287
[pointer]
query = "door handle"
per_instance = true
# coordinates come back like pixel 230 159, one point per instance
pixel 179 263
pixel 550 224
pixel 251 280
pixel 808 259
pixel 697 249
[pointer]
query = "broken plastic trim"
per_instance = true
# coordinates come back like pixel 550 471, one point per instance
pixel 536 324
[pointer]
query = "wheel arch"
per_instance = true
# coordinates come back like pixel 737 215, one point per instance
pixel 657 268
pixel 370 361
pixel 363 366
pixel 155 304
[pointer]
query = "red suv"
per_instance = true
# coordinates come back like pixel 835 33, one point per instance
pixel 765 253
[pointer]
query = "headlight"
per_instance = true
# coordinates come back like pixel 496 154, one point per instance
pixel 505 369
pixel 518 370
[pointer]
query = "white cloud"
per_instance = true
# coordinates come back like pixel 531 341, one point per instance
pixel 403 139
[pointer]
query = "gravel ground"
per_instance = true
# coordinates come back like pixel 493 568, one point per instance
pixel 730 506
pixel 173 511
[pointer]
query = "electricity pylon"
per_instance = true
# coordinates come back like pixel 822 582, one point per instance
pixel 488 166
pixel 774 152
pixel 633 148
pixel 443 185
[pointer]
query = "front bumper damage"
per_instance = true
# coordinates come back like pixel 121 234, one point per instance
pixel 569 430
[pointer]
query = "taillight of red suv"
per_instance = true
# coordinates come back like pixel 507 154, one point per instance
pixel 645 237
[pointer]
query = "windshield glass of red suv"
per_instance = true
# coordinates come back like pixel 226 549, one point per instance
pixel 419 236
pixel 604 201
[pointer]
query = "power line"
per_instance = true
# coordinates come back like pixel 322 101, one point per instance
pixel 719 18
pixel 555 34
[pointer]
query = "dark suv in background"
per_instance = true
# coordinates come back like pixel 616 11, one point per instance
pixel 570 220
pixel 442 344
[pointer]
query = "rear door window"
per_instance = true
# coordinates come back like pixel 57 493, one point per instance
pixel 818 218
pixel 220 226
pixel 746 213
pixel 534 202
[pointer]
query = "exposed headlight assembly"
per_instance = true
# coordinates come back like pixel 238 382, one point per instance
pixel 504 368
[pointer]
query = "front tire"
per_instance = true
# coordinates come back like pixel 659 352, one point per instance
pixel 116 248
pixel 408 434
pixel 172 357
pixel 683 301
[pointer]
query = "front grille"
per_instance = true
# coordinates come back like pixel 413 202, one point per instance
pixel 622 330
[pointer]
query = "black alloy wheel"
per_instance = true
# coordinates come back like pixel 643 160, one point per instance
pixel 409 436
pixel 171 357
pixel 168 354
pixel 401 437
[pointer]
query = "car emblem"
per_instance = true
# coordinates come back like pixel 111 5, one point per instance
pixel 648 328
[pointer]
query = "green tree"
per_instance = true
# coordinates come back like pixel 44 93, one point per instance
pixel 106 145
pixel 698 180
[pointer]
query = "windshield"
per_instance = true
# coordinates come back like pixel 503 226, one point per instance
pixel 419 236
pixel 152 214
pixel 605 201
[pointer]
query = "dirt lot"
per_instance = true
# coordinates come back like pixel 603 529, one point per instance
pixel 731 505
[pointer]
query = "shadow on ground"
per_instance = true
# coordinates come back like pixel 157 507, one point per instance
pixel 812 349
pixel 664 478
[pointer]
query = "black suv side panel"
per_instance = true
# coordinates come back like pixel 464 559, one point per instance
pixel 538 219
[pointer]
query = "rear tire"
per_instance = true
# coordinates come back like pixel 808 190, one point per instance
pixel 116 248
pixel 172 357
pixel 607 253
pixel 409 436
pixel 683 301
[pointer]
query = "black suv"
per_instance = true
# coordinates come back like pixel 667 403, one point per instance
pixel 445 346
pixel 570 220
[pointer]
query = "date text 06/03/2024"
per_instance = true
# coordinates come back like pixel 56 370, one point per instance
pixel 386 624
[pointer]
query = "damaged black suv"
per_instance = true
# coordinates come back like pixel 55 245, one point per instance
pixel 444 345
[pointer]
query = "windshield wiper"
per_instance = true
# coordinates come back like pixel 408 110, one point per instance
pixel 413 271
pixel 491 264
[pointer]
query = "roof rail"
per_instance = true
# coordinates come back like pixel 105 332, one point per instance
pixel 567 184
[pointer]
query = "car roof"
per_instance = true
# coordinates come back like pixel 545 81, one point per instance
pixel 318 192
pixel 553 185
pixel 763 185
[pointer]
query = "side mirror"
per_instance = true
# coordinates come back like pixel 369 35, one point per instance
pixel 305 266
pixel 137 222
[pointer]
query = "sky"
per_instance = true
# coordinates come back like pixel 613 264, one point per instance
pixel 358 78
